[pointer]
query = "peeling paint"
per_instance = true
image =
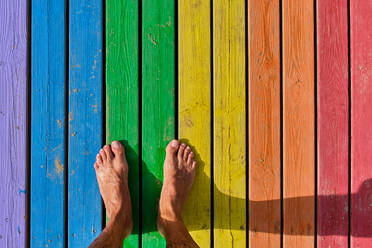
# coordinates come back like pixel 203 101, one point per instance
pixel 59 165
pixel 59 123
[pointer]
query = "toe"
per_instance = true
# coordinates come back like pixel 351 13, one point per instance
pixel 190 158
pixel 181 151
pixel 99 159
pixel 108 152
pixel 193 165
pixel 186 153
pixel 118 149
pixel 96 166
pixel 103 155
pixel 172 147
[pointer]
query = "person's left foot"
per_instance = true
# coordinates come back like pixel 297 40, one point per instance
pixel 112 175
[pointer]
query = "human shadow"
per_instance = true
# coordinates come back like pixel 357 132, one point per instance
pixel 264 215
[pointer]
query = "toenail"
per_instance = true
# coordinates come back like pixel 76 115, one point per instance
pixel 183 144
pixel 115 145
pixel 174 143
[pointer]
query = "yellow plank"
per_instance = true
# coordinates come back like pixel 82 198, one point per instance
pixel 195 110
pixel 229 123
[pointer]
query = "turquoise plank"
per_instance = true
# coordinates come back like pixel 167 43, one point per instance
pixel 47 123
pixel 85 120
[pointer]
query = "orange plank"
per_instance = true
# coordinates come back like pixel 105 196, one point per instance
pixel 264 123
pixel 298 124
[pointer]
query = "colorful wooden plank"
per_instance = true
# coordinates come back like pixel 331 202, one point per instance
pixel 122 116
pixel 85 120
pixel 264 123
pixel 158 107
pixel 47 123
pixel 13 117
pixel 333 123
pixel 361 119
pixel 298 124
pixel 229 124
pixel 195 110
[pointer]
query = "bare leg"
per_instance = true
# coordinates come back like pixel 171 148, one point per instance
pixel 112 175
pixel 179 173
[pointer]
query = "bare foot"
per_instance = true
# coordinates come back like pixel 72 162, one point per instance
pixel 179 173
pixel 112 175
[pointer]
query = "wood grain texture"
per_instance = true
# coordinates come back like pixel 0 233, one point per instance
pixel 264 123
pixel 47 123
pixel 84 120
pixel 298 123
pixel 122 114
pixel 333 123
pixel 361 119
pixel 195 110
pixel 158 107
pixel 13 103
pixel 229 123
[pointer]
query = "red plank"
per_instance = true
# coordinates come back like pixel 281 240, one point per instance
pixel 333 126
pixel 361 123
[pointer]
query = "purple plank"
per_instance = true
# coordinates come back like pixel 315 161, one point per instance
pixel 13 88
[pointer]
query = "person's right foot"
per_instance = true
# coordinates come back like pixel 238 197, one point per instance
pixel 179 173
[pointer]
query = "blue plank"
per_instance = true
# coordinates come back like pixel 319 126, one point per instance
pixel 47 123
pixel 85 120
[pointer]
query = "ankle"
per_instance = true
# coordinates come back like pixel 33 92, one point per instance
pixel 170 214
pixel 175 233
pixel 168 228
pixel 121 224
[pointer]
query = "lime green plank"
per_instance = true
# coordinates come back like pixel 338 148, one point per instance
pixel 122 92
pixel 158 111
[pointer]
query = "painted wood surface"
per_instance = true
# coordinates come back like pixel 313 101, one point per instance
pixel 13 104
pixel 194 40
pixel 158 107
pixel 361 119
pixel 264 124
pixel 47 123
pixel 229 135
pixel 333 123
pixel 298 124
pixel 122 116
pixel 84 120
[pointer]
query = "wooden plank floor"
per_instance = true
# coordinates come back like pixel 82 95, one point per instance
pixel 333 124
pixel 268 94
pixel 122 97
pixel 158 107
pixel 229 124
pixel 13 122
pixel 264 124
pixel 298 124
pixel 361 118
pixel 48 143
pixel 195 106
pixel 84 121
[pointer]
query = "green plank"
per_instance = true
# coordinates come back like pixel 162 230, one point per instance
pixel 122 92
pixel 158 110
